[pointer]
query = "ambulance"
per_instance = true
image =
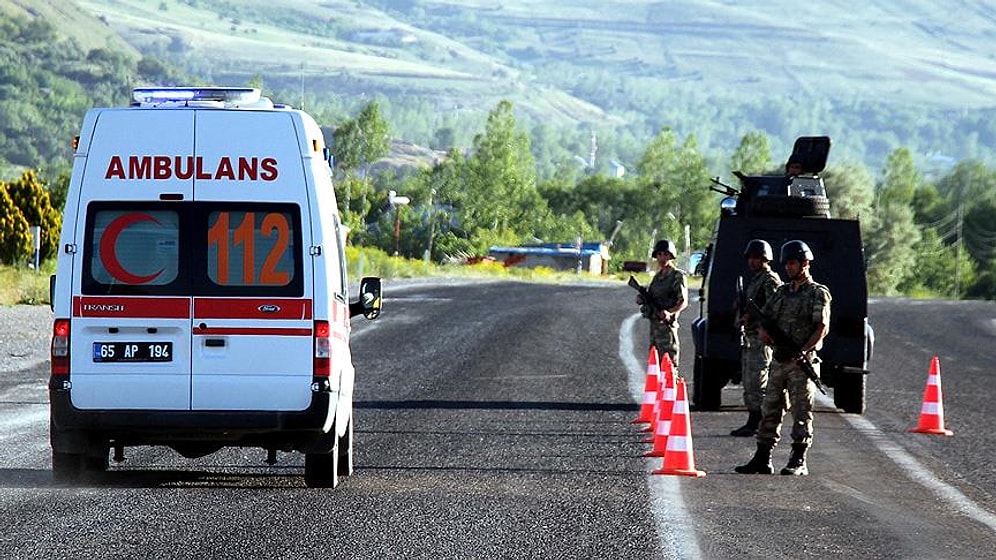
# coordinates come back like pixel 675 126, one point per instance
pixel 200 296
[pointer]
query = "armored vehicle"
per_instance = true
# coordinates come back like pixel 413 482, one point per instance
pixel 779 208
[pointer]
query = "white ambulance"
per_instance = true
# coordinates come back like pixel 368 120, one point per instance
pixel 201 294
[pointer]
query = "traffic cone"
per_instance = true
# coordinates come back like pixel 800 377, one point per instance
pixel 932 410
pixel 649 389
pixel 679 458
pixel 666 372
pixel 662 428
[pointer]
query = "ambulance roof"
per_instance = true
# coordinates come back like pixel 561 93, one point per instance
pixel 208 97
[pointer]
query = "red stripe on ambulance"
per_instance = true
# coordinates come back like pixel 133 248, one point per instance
pixel 132 307
pixel 258 331
pixel 252 308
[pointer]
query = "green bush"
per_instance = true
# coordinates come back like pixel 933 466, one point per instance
pixel 32 199
pixel 15 236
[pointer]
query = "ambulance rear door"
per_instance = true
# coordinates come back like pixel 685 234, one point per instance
pixel 130 326
pixel 252 324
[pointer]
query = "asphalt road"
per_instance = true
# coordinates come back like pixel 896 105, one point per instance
pixel 493 420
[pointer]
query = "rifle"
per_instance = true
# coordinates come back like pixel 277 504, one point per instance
pixel 723 188
pixel 738 322
pixel 785 347
pixel 651 309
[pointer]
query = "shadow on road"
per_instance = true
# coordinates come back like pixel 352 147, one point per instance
pixel 279 476
pixel 496 405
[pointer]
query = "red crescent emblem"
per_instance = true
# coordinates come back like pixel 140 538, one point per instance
pixel 108 246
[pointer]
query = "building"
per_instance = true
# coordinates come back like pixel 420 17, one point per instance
pixel 590 257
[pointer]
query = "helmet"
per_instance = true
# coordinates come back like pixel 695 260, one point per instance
pixel 797 250
pixel 666 246
pixel 759 248
pixel 795 159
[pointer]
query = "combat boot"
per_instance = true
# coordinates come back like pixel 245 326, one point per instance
pixel 797 461
pixel 750 428
pixel 760 463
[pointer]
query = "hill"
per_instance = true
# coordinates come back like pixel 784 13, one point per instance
pixel 71 21
pixel 875 74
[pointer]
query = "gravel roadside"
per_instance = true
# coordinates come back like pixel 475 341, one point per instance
pixel 25 332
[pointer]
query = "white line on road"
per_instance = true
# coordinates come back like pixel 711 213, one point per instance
pixel 916 471
pixel 673 524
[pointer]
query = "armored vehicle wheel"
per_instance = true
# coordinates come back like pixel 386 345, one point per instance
pixel 791 206
pixel 707 385
pixel 849 392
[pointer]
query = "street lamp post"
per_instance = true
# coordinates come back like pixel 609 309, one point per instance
pixel 397 202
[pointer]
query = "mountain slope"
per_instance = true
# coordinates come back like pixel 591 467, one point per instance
pixel 876 74
pixel 912 51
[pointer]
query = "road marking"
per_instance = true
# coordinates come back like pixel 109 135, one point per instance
pixel 673 524
pixel 916 471
pixel 503 377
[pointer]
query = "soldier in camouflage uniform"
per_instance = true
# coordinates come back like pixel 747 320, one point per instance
pixel 669 289
pixel 755 356
pixel 801 309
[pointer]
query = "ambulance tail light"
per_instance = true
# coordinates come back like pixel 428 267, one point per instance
pixel 323 350
pixel 60 347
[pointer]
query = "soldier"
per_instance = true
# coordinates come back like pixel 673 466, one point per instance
pixel 799 309
pixel 793 166
pixel 669 289
pixel 755 356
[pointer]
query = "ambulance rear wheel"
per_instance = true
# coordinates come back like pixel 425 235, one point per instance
pixel 97 463
pixel 66 467
pixel 346 451
pixel 321 470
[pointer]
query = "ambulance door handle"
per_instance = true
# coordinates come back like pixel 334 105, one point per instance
pixel 214 342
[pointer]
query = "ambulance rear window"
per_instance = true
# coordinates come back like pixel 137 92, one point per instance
pixel 193 248
pixel 250 248
pixel 134 249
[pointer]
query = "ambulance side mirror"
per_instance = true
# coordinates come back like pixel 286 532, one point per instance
pixel 369 303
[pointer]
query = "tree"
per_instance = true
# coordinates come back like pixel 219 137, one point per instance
pixel 900 178
pixel 890 248
pixel 362 141
pixel 31 198
pixel 675 179
pixel 979 233
pixel 15 237
pixel 499 191
pixel 752 156
pixel 851 189
pixel 968 182
pixel 358 143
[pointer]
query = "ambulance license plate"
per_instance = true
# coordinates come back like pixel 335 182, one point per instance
pixel 133 351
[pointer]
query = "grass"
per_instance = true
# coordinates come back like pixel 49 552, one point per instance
pixel 22 285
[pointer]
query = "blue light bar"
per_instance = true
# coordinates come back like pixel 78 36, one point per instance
pixel 239 95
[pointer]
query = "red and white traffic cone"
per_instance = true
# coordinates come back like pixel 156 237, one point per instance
pixel 650 389
pixel 932 410
pixel 662 428
pixel 679 459
pixel 666 372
